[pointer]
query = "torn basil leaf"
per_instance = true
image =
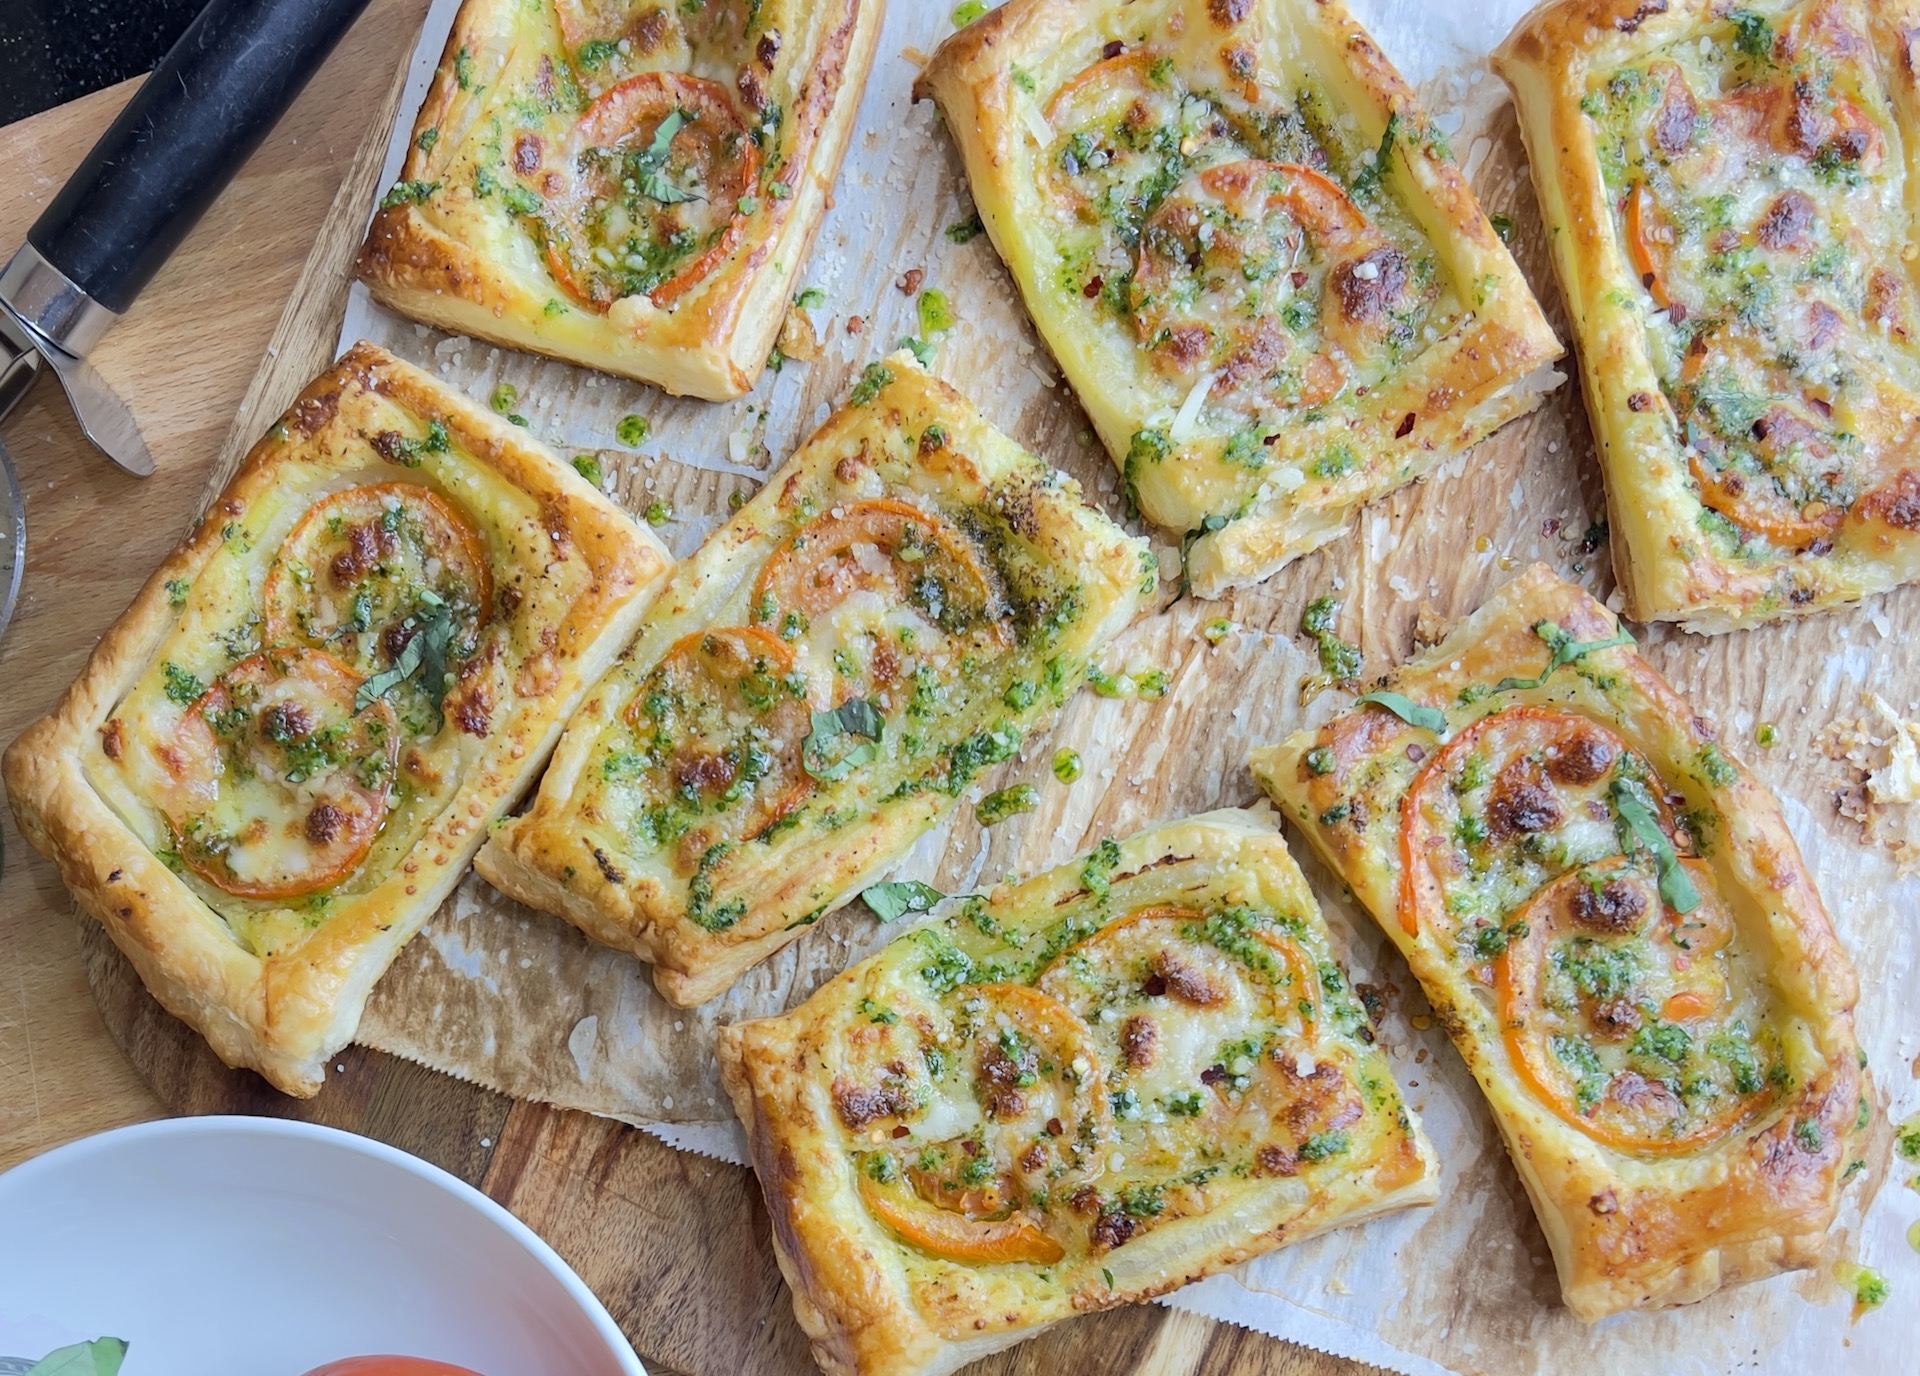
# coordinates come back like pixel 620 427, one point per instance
pixel 1565 651
pixel 101 1357
pixel 854 717
pixel 425 654
pixel 650 166
pixel 1638 825
pixel 896 899
pixel 1409 711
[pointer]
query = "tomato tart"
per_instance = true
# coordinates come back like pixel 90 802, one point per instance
pixel 1250 252
pixel 908 600
pixel 1076 1092
pixel 1612 922
pixel 1728 196
pixel 279 761
pixel 628 184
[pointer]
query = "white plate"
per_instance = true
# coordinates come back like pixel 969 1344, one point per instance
pixel 256 1247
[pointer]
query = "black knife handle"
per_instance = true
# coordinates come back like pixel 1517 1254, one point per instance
pixel 211 101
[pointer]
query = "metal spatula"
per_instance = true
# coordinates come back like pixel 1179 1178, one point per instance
pixel 179 141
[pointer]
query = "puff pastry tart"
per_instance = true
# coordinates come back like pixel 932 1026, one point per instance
pixel 628 184
pixel 903 604
pixel 280 759
pixel 1728 194
pixel 1081 1091
pixel 1250 252
pixel 1613 923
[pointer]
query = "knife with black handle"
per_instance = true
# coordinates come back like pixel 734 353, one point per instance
pixel 176 145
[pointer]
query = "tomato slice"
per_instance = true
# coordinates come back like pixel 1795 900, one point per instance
pixel 1607 1004
pixel 1039 1112
pixel 638 220
pixel 718 726
pixel 1147 959
pixel 355 575
pixel 1650 243
pixel 276 786
pixel 1225 254
pixel 907 555
pixel 1752 503
pixel 1016 1238
pixel 1540 770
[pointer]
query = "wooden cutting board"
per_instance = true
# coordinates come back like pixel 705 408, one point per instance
pixel 248 310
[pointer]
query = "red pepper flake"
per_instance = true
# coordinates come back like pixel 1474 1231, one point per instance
pixel 910 281
pixel 1113 49
pixel 1406 426
pixel 856 323
pixel 1550 527
pixel 1416 751
pixel 1055 1127
pixel 1299 279
pixel 1094 285
pixel 902 1131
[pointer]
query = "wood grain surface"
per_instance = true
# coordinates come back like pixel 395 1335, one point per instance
pixel 245 313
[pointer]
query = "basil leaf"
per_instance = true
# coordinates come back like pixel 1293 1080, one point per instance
pixel 1565 651
pixel 425 654
pixel 101 1357
pixel 1409 711
pixel 897 899
pixel 1637 825
pixel 854 717
pixel 651 164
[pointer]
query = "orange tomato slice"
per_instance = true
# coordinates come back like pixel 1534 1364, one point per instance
pixel 1241 221
pixel 727 683
pixel 1761 511
pixel 823 564
pixel 1636 1114
pixel 1649 243
pixel 712 144
pixel 355 567
pixel 1421 892
pixel 277 787
pixel 942 1232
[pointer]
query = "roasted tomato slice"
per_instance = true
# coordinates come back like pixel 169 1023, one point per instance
pixel 1650 242
pixel 276 786
pixel 1020 1071
pixel 1206 1020
pixel 1503 808
pixel 1753 502
pixel 366 566
pixel 1111 125
pixel 1231 249
pixel 887 548
pixel 717 728
pixel 886 598
pixel 945 1233
pixel 647 209
pixel 1620 1015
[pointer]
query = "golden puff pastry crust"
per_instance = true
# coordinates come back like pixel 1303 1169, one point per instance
pixel 1728 195
pixel 1251 253
pixel 1079 1091
pixel 280 759
pixel 624 184
pixel 908 600
pixel 1615 927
